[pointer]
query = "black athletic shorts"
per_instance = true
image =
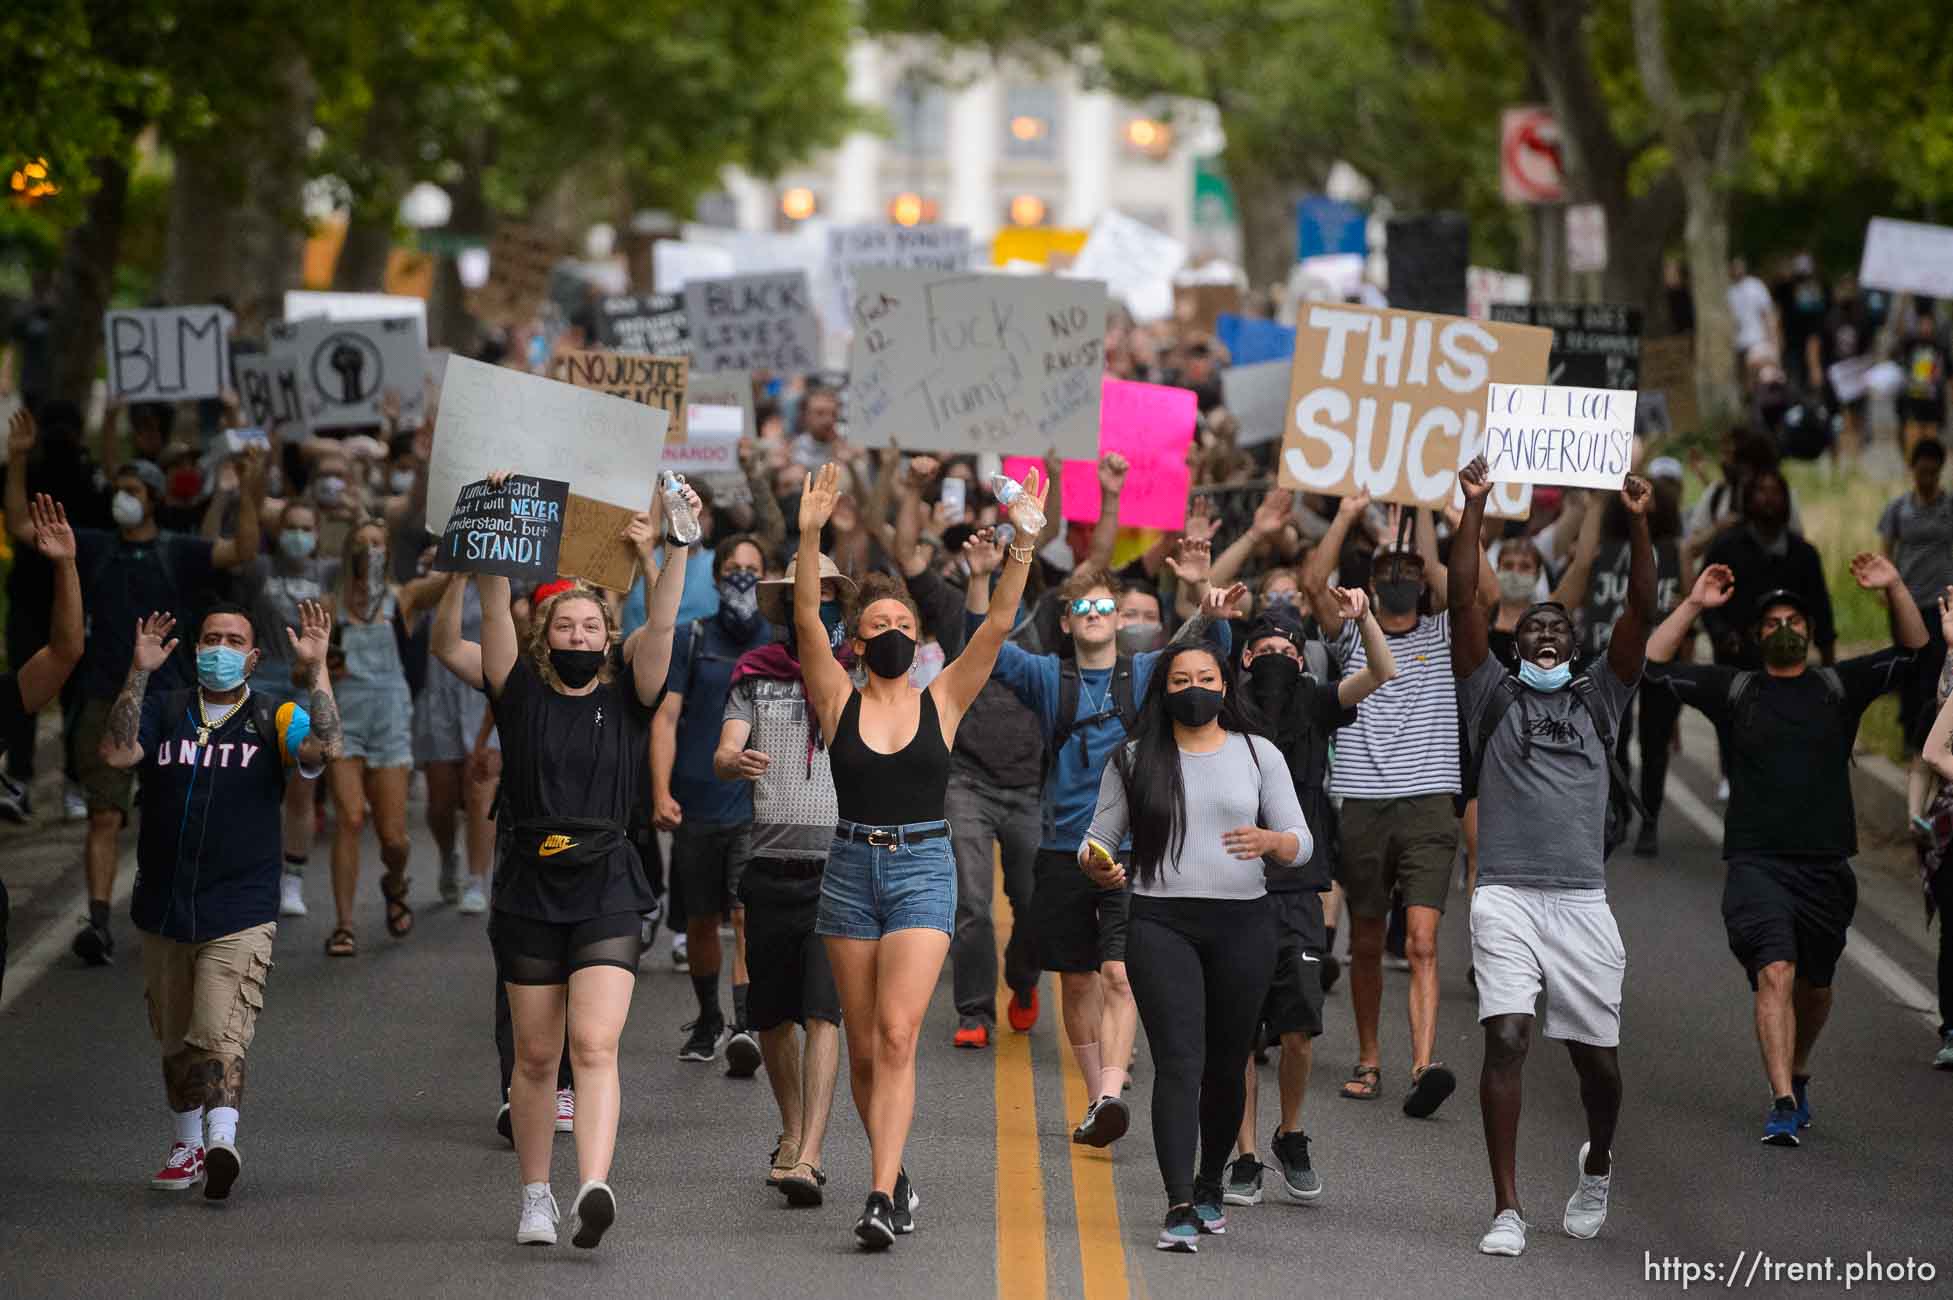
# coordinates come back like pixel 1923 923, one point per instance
pixel 1294 1002
pixel 546 952
pixel 1796 909
pixel 1079 927
pixel 785 960
pixel 706 859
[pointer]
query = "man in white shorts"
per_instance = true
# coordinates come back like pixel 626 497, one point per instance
pixel 1542 761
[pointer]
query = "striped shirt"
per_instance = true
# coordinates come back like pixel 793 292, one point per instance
pixel 1404 741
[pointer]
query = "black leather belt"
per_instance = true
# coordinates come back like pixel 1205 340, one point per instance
pixel 887 837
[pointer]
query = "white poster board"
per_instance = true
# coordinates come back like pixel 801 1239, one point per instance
pixel 675 262
pixel 268 392
pixel 301 303
pixel 1549 433
pixel 168 354
pixel 999 363
pixel 1908 257
pixel 345 368
pixel 754 322
pixel 915 248
pixel 1136 262
pixel 493 417
pixel 1257 396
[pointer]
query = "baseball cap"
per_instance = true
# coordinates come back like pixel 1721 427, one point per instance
pixel 1781 596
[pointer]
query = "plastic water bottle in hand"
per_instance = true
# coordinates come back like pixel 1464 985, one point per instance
pixel 1007 491
pixel 683 520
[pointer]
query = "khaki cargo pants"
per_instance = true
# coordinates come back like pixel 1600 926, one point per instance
pixel 207 995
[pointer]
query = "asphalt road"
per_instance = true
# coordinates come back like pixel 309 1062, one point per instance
pixel 372 1166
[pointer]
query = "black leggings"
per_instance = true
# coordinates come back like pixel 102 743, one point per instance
pixel 1200 969
pixel 1660 710
pixel 1943 891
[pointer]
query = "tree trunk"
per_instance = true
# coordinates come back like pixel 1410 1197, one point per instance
pixel 362 261
pixel 448 322
pixel 199 250
pixel 1267 210
pixel 86 280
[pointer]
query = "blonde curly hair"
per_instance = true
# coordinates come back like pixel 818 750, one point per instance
pixel 543 614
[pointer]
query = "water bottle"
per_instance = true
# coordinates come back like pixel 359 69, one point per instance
pixel 1007 490
pixel 682 519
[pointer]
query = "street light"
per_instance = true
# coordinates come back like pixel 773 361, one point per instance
pixel 1148 136
pixel 1027 210
pixel 1025 127
pixel 906 210
pixel 798 203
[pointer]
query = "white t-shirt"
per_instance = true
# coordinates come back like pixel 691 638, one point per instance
pixel 1749 303
pixel 1404 741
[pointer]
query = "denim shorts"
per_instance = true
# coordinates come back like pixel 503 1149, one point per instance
pixel 870 890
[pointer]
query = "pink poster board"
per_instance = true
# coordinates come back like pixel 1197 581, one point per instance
pixel 1152 426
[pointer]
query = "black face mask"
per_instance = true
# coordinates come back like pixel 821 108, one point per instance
pixel 575 668
pixel 890 653
pixel 1272 675
pixel 1195 706
pixel 1398 596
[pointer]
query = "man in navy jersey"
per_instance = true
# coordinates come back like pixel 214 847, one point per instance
pixel 212 760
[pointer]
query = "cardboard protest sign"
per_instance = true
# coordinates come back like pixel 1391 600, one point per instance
pixel 654 381
pixel 1152 426
pixel 267 388
pixel 168 354
pixel 651 322
pixel 345 368
pixel 1136 262
pixel 1668 367
pixel 301 303
pixel 514 530
pixel 1428 256
pixel 1047 246
pixel 915 248
pixel 1908 257
pixel 1249 339
pixel 1594 346
pixel 493 417
pixel 1200 306
pixel 594 547
pixel 1551 433
pixel 520 259
pixel 977 362
pixel 1393 402
pixel 1257 396
pixel 753 322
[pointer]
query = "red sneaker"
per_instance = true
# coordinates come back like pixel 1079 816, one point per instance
pixel 566 1110
pixel 182 1171
pixel 974 1035
pixel 1023 1015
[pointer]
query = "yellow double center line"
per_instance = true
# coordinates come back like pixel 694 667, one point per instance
pixel 1022 1265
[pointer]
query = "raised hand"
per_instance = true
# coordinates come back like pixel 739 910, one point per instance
pixel 642 533
pixel 1353 506
pixel 1637 494
pixel 1027 512
pixel 1714 588
pixel 1201 525
pixel 1273 512
pixel 983 552
pixel 1351 602
pixel 818 497
pixel 314 634
pixel 22 432
pixel 922 472
pixel 250 468
pixel 1113 469
pixel 497 477
pixel 1219 602
pixel 154 644
pixel 1191 561
pixel 1475 479
pixel 1874 572
pixel 53 537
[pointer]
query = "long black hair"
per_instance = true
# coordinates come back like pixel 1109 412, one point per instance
pixel 1149 763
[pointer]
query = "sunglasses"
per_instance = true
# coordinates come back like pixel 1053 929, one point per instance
pixel 1086 605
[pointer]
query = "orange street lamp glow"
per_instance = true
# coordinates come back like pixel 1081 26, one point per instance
pixel 907 209
pixel 798 203
pixel 1027 210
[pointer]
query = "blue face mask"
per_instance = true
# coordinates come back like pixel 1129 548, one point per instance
pixel 1545 679
pixel 220 668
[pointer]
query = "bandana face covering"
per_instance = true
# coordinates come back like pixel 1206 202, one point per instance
pixel 739 602
pixel 1785 647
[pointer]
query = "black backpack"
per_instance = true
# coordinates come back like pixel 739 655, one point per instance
pixel 1120 704
pixel 1743 687
pixel 1622 803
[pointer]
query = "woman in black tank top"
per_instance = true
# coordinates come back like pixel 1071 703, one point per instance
pixel 888 894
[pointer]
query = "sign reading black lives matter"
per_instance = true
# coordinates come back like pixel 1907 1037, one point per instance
pixel 649 322
pixel 753 322
pixel 514 530
pixel 168 354
pixel 346 367
pixel 1594 345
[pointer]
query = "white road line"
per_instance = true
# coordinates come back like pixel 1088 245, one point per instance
pixel 38 958
pixel 1898 982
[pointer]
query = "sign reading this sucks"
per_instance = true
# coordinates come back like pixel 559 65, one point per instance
pixel 515 529
pixel 1392 402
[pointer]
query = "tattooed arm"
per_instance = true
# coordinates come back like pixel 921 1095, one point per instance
pixel 154 644
pixel 326 738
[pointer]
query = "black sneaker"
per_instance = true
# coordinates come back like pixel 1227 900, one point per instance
pixel 1332 970
pixel 221 1166
pixel 904 1203
pixel 1105 1122
pixel 742 1054
pixel 95 945
pixel 1182 1231
pixel 504 1125
pixel 1646 843
pixel 1299 1179
pixel 875 1229
pixel 595 1210
pixel 14 804
pixel 1243 1181
pixel 703 1045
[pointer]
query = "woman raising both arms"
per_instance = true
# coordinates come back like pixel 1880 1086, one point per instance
pixel 888 897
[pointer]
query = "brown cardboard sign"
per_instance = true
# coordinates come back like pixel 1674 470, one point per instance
pixel 593 546
pixel 649 381
pixel 520 259
pixel 1198 306
pixel 1668 367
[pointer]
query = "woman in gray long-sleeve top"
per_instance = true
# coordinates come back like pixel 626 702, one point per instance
pixel 1205 803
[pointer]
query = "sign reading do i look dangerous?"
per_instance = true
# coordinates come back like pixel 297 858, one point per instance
pixel 1580 437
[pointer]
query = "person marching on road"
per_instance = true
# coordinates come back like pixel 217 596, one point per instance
pixel 212 761
pixel 771 740
pixel 1542 751
pixel 1791 828
pixel 1301 715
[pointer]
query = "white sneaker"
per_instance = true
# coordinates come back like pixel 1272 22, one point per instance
pixel 1507 1237
pixel 681 956
pixel 539 1215
pixel 474 901
pixel 291 894
pixel 566 1110
pixel 1586 1209
pixel 74 804
pixel 1722 791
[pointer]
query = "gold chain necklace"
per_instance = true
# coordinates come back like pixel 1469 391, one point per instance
pixel 207 726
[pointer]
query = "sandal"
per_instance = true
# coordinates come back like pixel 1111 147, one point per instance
pixel 803 1183
pixel 1429 1087
pixel 786 1154
pixel 340 943
pixel 1364 1083
pixel 400 917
